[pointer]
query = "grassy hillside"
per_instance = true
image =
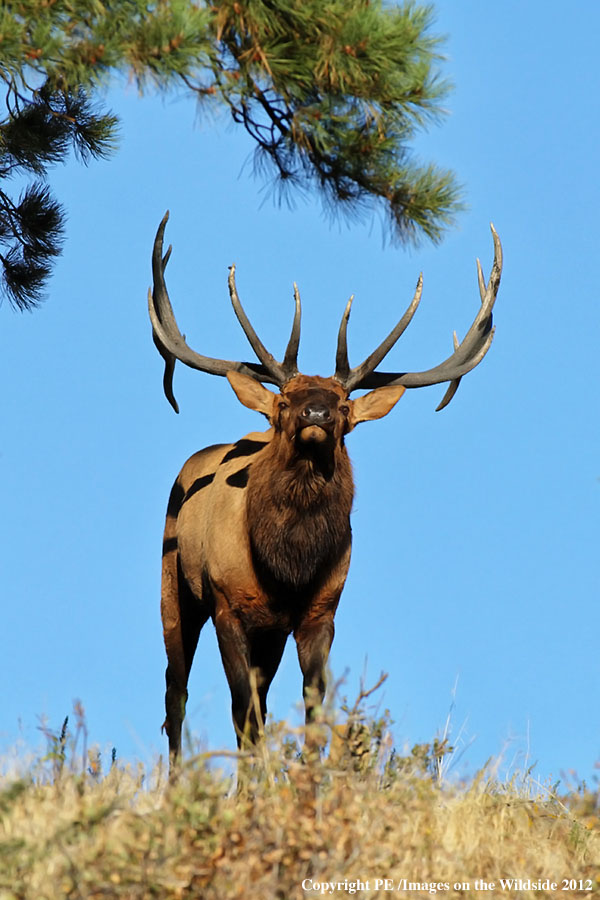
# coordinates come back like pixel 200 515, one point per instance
pixel 362 821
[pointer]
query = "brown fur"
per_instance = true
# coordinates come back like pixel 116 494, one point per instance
pixel 298 508
pixel 258 538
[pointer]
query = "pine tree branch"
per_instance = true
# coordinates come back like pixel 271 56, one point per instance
pixel 40 130
pixel 330 91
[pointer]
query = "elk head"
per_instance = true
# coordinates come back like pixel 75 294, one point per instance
pixel 313 413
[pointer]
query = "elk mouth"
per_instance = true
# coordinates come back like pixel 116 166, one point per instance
pixel 312 434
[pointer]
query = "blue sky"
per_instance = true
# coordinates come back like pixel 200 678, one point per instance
pixel 474 579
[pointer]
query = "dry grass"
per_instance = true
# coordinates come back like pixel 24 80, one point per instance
pixel 362 814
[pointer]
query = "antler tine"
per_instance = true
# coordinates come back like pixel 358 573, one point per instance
pixel 466 355
pixel 275 369
pixel 453 386
pixel 290 359
pixel 496 273
pixel 169 362
pixel 159 263
pixel 171 343
pixel 342 365
pixel 357 375
pixel 481 281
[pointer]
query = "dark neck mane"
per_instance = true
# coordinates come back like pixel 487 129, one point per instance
pixel 298 510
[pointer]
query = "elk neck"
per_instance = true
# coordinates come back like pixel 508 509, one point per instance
pixel 298 507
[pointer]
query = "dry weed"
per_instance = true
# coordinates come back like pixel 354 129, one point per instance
pixel 296 828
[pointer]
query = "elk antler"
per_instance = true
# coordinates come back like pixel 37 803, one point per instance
pixel 466 355
pixel 172 345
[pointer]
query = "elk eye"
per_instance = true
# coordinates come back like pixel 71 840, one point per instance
pixel 344 410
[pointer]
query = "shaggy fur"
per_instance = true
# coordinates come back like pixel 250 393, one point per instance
pixel 298 513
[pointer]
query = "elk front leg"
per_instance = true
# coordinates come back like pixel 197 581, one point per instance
pixel 235 654
pixel 313 640
pixel 265 655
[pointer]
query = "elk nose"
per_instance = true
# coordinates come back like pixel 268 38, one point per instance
pixel 316 414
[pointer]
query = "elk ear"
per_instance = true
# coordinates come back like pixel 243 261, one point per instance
pixel 375 404
pixel 252 393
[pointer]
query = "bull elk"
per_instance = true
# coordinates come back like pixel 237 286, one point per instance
pixel 257 533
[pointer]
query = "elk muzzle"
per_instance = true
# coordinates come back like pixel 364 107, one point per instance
pixel 315 422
